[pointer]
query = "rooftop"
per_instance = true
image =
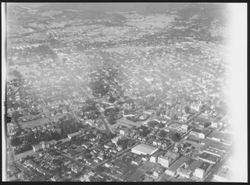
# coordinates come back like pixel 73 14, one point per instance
pixel 179 162
pixel 219 135
pixel 172 155
pixel 127 123
pixel 195 164
pixel 144 149
pixel 209 157
pixel 214 144
pixel 203 131
pixel 204 166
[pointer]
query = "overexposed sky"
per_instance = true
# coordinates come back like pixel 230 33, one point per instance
pixel 237 91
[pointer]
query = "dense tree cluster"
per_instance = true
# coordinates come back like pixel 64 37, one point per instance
pixel 162 133
pixel 105 80
pixel 152 123
pixel 99 88
pixel 69 126
pixel 124 143
pixel 15 141
pixel 144 131
pixel 90 110
pixel 176 137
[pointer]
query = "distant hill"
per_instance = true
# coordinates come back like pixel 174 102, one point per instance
pixel 104 6
pixel 185 9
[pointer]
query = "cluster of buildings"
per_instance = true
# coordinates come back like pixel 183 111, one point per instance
pixel 166 92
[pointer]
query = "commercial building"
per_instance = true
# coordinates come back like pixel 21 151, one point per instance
pixel 194 140
pixel 215 124
pixel 154 158
pixel 184 171
pixel 202 123
pixel 127 123
pixel 115 139
pixel 164 161
pixel 137 160
pixel 181 128
pixel 172 170
pixel 220 137
pixel 215 144
pixel 195 164
pixel 124 131
pixel 168 159
pixel 184 127
pixel 213 151
pixel 157 171
pixel 197 133
pixel 202 170
pixel 200 133
pixel 207 157
pixel 149 112
pixel 36 147
pixel 143 149
pixel 43 145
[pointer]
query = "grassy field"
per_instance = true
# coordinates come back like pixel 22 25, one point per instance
pixel 24 154
pixel 34 123
pixel 41 121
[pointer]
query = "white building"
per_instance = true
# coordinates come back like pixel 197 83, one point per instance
pixel 199 173
pixel 184 172
pixel 198 134
pixel 36 148
pixel 153 159
pixel 164 161
pixel 143 149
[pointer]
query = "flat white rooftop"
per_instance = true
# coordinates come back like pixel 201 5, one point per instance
pixel 144 149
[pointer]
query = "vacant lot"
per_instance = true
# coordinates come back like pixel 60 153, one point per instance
pixel 24 154
pixel 34 123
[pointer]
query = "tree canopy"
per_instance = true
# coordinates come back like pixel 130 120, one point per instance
pixel 15 141
pixel 176 137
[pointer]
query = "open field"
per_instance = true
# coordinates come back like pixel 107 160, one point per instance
pixel 24 154
pixel 34 123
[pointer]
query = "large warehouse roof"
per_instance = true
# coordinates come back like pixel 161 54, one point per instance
pixel 127 123
pixel 144 149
